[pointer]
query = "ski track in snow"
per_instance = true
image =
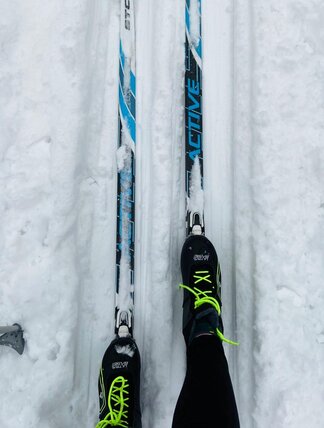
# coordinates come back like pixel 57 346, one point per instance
pixel 162 170
pixel 264 198
pixel 279 225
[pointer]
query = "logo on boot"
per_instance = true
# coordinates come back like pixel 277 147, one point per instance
pixel 201 257
pixel 120 365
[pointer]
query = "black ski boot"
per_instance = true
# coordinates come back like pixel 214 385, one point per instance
pixel 119 385
pixel 202 286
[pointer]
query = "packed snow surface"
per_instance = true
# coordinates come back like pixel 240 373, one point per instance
pixel 263 192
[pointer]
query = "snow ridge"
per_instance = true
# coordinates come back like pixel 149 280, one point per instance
pixel 196 199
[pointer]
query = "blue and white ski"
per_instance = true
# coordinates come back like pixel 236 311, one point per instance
pixel 193 119
pixel 125 234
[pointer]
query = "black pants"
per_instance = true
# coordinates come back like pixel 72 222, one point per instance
pixel 207 398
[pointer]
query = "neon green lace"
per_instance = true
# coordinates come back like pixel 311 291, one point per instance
pixel 202 297
pixel 117 405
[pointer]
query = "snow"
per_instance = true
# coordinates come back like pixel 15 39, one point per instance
pixel 125 350
pixel 280 259
pixel 196 199
pixel 194 12
pixel 263 191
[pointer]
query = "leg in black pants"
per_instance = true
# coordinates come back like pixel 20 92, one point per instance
pixel 207 398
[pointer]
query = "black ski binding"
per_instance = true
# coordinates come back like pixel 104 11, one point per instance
pixel 195 224
pixel 124 323
pixel 13 337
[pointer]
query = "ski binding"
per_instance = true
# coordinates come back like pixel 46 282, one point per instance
pixel 124 325
pixel 195 223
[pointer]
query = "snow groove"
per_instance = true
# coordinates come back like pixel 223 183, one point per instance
pixel 95 229
pixel 218 151
pixel 277 134
pixel 244 261
pixel 164 122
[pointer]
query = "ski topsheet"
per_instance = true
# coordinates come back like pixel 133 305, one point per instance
pixel 193 118
pixel 125 232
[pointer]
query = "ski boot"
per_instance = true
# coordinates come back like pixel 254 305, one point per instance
pixel 202 289
pixel 119 385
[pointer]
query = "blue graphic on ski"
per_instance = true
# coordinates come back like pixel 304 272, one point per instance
pixel 193 119
pixel 125 234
